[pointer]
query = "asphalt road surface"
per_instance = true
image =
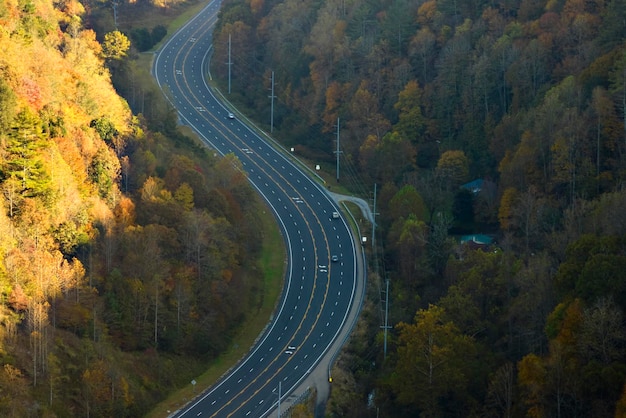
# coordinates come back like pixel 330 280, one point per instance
pixel 318 292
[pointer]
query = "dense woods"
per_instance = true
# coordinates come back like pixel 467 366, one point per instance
pixel 123 244
pixel 527 96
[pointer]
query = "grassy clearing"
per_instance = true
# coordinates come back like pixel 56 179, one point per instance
pixel 272 264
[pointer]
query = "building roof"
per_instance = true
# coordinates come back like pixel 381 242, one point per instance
pixel 473 186
pixel 477 239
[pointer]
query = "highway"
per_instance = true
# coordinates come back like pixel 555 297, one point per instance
pixel 318 292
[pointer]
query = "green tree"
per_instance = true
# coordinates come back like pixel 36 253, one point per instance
pixel 104 172
pixel 158 33
pixel 593 269
pixel 433 359
pixel 184 196
pixel 141 39
pixel 8 105
pixel 440 244
pixel 410 237
pixel 453 168
pixel 24 151
pixel 387 159
pixel 105 128
pixel 411 121
pixel 477 300
pixel 613 30
pixel 407 202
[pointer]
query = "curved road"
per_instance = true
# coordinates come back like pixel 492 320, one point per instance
pixel 319 292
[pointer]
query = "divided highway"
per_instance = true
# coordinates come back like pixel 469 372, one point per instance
pixel 321 275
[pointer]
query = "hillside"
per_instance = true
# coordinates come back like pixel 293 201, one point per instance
pixel 526 98
pixel 123 244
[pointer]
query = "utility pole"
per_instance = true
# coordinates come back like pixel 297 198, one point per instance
pixel 337 152
pixel 386 326
pixel 272 105
pixel 229 63
pixel 374 220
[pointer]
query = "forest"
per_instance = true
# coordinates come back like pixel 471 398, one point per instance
pixel 123 243
pixel 524 98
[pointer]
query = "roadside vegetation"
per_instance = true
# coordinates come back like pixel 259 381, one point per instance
pixel 132 259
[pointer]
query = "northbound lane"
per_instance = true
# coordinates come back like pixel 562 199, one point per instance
pixel 318 292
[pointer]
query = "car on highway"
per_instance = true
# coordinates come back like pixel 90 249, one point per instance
pixel 231 115
pixel 334 258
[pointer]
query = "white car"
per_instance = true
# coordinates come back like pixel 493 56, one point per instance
pixel 231 115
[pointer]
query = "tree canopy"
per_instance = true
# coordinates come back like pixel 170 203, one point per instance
pixel 524 99
pixel 129 248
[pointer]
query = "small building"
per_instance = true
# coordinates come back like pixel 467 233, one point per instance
pixel 473 242
pixel 474 186
pixel 478 239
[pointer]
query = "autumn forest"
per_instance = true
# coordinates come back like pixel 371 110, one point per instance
pixel 525 98
pixel 129 253
pixel 123 244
